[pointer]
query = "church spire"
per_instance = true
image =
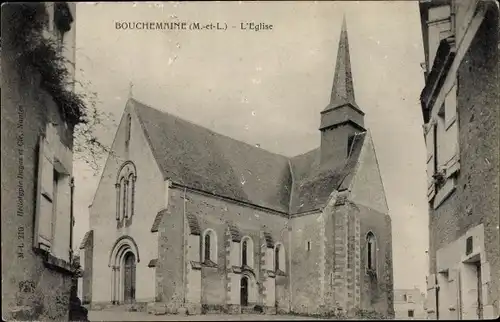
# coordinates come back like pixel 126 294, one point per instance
pixel 341 119
pixel 342 89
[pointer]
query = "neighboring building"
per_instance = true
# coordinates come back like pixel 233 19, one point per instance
pixel 37 164
pixel 460 108
pixel 189 218
pixel 409 304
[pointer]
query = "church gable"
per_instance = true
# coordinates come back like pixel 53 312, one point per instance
pixel 125 147
pixel 366 187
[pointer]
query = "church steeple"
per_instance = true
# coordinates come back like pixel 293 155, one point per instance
pixel 342 89
pixel 342 117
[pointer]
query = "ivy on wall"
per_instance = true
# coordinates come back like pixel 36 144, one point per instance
pixel 32 51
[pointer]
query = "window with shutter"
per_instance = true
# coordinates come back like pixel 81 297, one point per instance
pixel 45 197
pixel 430 303
pixel 430 142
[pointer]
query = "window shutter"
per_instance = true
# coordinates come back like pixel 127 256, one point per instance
pixel 430 302
pixel 451 106
pixel 431 168
pixel 45 196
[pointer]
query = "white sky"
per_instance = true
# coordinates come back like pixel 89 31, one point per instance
pixel 268 87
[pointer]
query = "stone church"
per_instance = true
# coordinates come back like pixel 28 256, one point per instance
pixel 185 218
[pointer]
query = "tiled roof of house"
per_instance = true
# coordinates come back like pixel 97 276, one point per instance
pixel 194 156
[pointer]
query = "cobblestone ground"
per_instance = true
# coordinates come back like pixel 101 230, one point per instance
pixel 95 316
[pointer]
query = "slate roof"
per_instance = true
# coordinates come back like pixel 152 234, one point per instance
pixel 314 183
pixel 87 238
pixel 202 159
pixel 199 158
pixel 269 239
pixel 234 231
pixel 157 221
pixel 194 225
pixel 153 262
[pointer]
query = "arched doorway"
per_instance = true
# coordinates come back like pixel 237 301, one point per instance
pixel 123 260
pixel 244 291
pixel 129 277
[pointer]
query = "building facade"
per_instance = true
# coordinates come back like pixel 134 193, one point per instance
pixel 185 218
pixel 409 304
pixel 460 109
pixel 37 164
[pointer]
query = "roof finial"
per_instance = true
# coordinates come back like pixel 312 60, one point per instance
pixel 130 87
pixel 342 89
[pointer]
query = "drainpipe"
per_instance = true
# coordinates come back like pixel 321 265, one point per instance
pixel 72 220
pixel 290 291
pixel 184 250
pixel 437 296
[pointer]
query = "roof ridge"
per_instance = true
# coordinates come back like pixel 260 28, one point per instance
pixel 304 153
pixel 206 128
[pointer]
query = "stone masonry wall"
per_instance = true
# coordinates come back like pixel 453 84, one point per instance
pixel 149 199
pixel 306 264
pixel 476 198
pixel 215 213
pixel 29 289
pixel 378 294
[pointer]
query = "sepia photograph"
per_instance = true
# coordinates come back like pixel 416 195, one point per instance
pixel 250 160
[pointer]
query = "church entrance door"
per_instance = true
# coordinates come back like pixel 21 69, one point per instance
pixel 244 291
pixel 129 278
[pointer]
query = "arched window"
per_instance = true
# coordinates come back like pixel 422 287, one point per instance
pixel 244 253
pixel 279 257
pixel 122 198
pixel 130 196
pixel 209 246
pixel 371 252
pixel 247 251
pixel 125 191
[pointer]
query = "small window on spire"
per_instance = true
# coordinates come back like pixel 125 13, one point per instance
pixel 350 141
